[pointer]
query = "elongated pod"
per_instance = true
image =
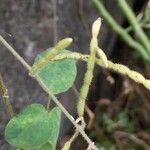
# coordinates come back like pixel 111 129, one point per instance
pixel 90 66
pixel 51 54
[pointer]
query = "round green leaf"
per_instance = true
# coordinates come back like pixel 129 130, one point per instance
pixel 30 128
pixel 55 116
pixel 58 76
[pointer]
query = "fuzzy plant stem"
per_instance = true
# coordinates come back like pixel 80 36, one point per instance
pixel 90 67
pixel 118 68
pixel 135 24
pixel 25 64
pixel 120 31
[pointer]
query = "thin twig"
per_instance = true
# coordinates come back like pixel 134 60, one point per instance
pixel 75 135
pixel 70 141
pixel 5 97
pixel 3 41
pixel 82 132
pixel 48 104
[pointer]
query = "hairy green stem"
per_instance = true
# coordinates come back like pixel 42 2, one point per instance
pixel 90 67
pixel 135 24
pixel 120 31
pixel 118 68
pixel 85 87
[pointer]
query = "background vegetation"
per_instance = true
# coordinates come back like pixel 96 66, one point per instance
pixel 120 106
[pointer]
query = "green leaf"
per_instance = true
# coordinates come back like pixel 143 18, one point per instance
pixel 55 116
pixel 30 128
pixel 58 76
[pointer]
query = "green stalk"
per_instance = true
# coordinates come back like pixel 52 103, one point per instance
pixel 119 30
pixel 118 68
pixel 90 67
pixel 135 24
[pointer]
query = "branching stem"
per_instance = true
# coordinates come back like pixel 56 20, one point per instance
pixel 82 132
